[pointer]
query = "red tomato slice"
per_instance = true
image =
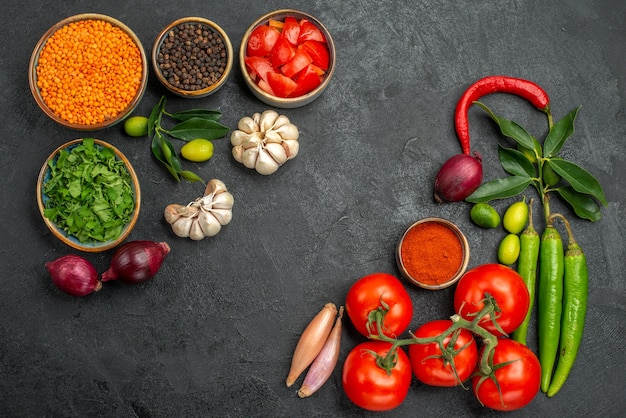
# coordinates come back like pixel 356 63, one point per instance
pixel 296 64
pixel 318 53
pixel 262 40
pixel 306 81
pixel 291 30
pixel 264 85
pixel 310 32
pixel 282 52
pixel 259 67
pixel 281 85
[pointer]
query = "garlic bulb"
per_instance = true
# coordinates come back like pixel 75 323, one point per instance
pixel 265 141
pixel 205 216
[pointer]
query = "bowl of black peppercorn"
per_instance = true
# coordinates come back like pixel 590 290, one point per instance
pixel 192 57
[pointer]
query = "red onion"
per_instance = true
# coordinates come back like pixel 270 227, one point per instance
pixel 74 275
pixel 458 177
pixel 136 261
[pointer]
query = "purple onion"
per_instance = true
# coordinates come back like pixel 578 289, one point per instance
pixel 136 261
pixel 74 275
pixel 458 177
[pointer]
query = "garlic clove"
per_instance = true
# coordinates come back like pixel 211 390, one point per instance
pixel 268 118
pixel 288 131
pixel 238 153
pixel 265 164
pixel 209 224
pixel 277 152
pixel 257 121
pixel 249 157
pixel 196 233
pixel 291 148
pixel 223 200
pixel 272 136
pixel 247 125
pixel 215 186
pixel 253 141
pixel 182 226
pixel 280 121
pixel 172 213
pixel 223 216
pixel 239 137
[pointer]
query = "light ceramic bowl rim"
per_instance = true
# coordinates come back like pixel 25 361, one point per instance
pixel 34 60
pixel 287 102
pixel 464 262
pixel 193 93
pixel 70 240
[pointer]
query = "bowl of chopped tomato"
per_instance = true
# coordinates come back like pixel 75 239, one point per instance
pixel 287 58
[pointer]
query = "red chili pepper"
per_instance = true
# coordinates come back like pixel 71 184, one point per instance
pixel 495 84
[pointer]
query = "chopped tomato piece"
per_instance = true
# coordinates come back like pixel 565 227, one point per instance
pixel 296 64
pixel 259 67
pixel 318 53
pixel 291 30
pixel 307 81
pixel 281 85
pixel 282 52
pixel 275 24
pixel 264 85
pixel 310 32
pixel 262 40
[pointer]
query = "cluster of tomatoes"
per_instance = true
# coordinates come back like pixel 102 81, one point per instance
pixel 377 373
pixel 287 59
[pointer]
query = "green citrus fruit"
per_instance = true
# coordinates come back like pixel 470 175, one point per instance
pixel 509 248
pixel 484 215
pixel 197 150
pixel 136 126
pixel 515 217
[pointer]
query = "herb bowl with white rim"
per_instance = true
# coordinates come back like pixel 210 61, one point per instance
pixel 91 206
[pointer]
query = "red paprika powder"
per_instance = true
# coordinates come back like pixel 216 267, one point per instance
pixel 431 253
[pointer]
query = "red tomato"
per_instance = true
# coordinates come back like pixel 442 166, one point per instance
pixel 264 85
pixel 310 32
pixel 281 85
pixel 369 386
pixel 262 40
pixel 504 284
pixel 291 30
pixel 318 53
pixel 307 80
pixel 518 381
pixel 259 67
pixel 297 63
pixel 367 294
pixel 282 52
pixel 427 361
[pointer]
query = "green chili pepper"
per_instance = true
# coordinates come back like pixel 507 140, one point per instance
pixel 575 294
pixel 527 268
pixel 549 300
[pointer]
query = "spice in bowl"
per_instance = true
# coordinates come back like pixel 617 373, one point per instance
pixel 192 57
pixel 433 253
pixel 88 71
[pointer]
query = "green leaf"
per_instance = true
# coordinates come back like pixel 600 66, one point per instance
pixel 510 129
pixel 191 176
pixel 197 113
pixel 499 189
pixel 580 179
pixel 584 206
pixel 198 128
pixel 157 151
pixel 559 133
pixel 154 120
pixel 515 162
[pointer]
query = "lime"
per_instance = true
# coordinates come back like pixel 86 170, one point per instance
pixel 136 126
pixel 509 248
pixel 197 150
pixel 484 215
pixel 515 217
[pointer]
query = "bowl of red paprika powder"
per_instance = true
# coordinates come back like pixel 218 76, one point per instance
pixel 433 253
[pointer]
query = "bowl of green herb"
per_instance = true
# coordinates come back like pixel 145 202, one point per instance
pixel 88 195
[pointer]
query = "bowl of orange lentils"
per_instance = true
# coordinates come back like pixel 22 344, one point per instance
pixel 88 71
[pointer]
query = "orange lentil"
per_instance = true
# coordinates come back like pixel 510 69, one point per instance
pixel 89 71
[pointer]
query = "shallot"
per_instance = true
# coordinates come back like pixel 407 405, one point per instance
pixel 325 362
pixel 74 275
pixel 311 341
pixel 136 261
pixel 458 177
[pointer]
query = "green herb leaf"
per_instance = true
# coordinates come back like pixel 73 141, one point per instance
pixel 157 151
pixel 198 128
pixel 190 176
pixel 515 162
pixel 580 179
pixel 559 133
pixel 511 129
pixel 154 120
pixel 499 189
pixel 196 113
pixel 584 206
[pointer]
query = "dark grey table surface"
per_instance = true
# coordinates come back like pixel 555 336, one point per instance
pixel 213 333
